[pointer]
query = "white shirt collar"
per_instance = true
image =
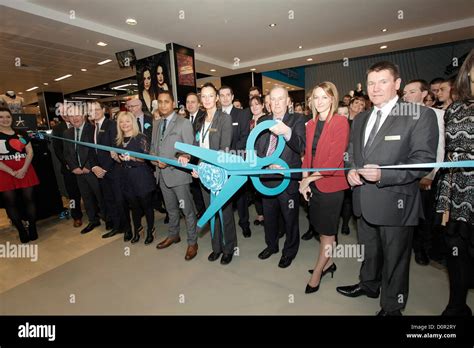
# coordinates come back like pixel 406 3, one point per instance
pixel 387 107
pixel 227 109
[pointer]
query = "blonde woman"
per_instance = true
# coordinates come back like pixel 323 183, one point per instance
pixel 136 177
pixel 327 136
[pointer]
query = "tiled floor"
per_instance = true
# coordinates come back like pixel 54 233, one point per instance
pixel 85 274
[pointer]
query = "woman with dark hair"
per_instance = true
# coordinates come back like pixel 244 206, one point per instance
pixel 327 137
pixel 136 176
pixel 430 100
pixel 148 92
pixel 214 131
pixel 161 78
pixel 17 175
pixel 456 191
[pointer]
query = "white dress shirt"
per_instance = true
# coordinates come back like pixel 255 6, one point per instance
pixel 373 116
pixel 228 109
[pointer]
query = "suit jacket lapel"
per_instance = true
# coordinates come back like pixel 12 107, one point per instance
pixel 382 131
pixel 170 126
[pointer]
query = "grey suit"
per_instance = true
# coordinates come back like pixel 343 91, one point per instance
pixel 220 138
pixel 174 182
pixel 389 209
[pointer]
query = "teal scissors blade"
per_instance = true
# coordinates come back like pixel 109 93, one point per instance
pixel 217 158
pixel 232 185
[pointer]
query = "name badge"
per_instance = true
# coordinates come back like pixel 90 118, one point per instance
pixel 392 137
pixel 213 130
pixel 235 124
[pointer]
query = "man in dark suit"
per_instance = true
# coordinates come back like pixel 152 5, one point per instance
pixel 292 127
pixel 80 160
pixel 387 201
pixel 70 180
pixel 240 133
pixel 145 122
pixel 105 133
pixel 192 106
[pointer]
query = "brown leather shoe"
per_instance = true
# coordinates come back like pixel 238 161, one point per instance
pixel 167 242
pixel 77 223
pixel 191 252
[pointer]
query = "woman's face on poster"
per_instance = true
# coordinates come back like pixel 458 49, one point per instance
pixel 159 75
pixel 146 79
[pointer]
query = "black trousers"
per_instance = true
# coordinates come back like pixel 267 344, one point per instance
pixel 70 181
pixel 92 196
pixel 110 188
pixel 241 201
pixel 423 235
pixel 346 212
pixel 197 196
pixel 286 204
pixel 386 264
pixel 223 241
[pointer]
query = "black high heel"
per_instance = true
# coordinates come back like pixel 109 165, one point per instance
pixel 309 289
pixel 331 269
pixel 136 236
pixel 149 236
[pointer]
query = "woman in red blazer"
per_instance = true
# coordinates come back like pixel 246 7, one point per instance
pixel 327 136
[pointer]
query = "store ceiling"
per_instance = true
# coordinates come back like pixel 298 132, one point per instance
pixel 53 38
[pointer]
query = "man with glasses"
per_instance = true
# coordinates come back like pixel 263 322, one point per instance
pixel 145 122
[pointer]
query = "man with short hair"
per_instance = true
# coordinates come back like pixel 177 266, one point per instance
pixel 80 160
pixel 346 99
pixel 387 201
pixel 292 128
pixel 444 94
pixel 240 133
pixel 174 182
pixel 145 122
pixel 105 133
pixel 434 88
pixel 70 180
pixel 415 92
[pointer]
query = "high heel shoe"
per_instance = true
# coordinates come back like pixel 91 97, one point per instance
pixel 149 236
pixel 331 269
pixel 309 289
pixel 136 235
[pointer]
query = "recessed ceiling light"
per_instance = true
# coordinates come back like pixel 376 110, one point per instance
pixel 384 30
pixel 131 21
pixel 253 69
pixel 383 47
pixel 287 87
pixel 309 59
pixel 199 46
pixel 212 70
pixel 63 77
pixel 100 43
pixel 20 92
pixel 45 83
pixel 31 89
pixel 83 69
pixel 268 81
pixel 202 85
pixel 300 47
pixel 104 62
pixel 272 25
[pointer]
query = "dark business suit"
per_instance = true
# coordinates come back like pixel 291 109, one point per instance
pixel 85 157
pixel 147 127
pixel 110 183
pixel 240 133
pixel 220 139
pixel 70 180
pixel 287 202
pixel 389 209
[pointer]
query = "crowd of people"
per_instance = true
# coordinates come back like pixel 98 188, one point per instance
pixel 395 210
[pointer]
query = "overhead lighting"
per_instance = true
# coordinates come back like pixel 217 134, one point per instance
pixel 253 69
pixel 300 47
pixel 212 70
pixel 83 69
pixel 269 82
pixel 45 83
pixel 287 87
pixel 80 97
pixel 199 46
pixel 384 30
pixel 103 94
pixel 20 92
pixel 63 77
pixel 272 25
pixel 125 85
pixel 31 89
pixel 131 21
pixel 102 44
pixel 383 47
pixel 309 59
pixel 104 62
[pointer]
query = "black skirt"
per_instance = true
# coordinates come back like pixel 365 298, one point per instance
pixel 325 210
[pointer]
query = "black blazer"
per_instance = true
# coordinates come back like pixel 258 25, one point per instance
pixel 87 155
pixel 408 135
pixel 58 145
pixel 240 128
pixel 293 150
pixel 107 136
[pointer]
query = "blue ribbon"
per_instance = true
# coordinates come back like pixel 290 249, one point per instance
pixel 224 173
